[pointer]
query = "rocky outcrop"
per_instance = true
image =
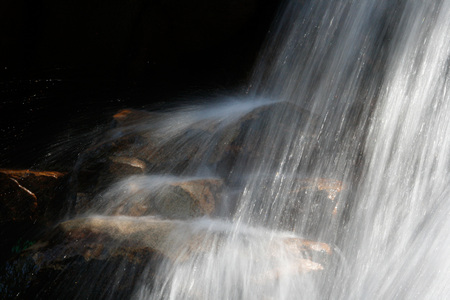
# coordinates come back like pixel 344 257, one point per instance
pixel 144 142
pixel 29 195
pixel 330 187
pixel 138 189
pixel 138 239
pixel 29 202
pixel 181 199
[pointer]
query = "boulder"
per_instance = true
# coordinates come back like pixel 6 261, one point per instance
pixel 138 238
pixel 259 135
pixel 169 144
pixel 140 143
pixel 313 206
pixel 171 197
pixel 29 195
pixel 29 200
pixel 92 245
pixel 331 187
pixel 104 237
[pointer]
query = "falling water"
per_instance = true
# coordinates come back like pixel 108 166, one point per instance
pixel 350 94
pixel 375 75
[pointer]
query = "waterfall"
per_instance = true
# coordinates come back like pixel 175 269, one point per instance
pixel 331 174
pixel 375 75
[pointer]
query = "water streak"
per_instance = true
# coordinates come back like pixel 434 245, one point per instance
pixel 375 75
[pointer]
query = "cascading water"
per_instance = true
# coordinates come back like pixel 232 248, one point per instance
pixel 358 95
pixel 375 73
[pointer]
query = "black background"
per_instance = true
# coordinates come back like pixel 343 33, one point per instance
pixel 67 66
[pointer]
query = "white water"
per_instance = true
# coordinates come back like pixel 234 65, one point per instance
pixel 375 73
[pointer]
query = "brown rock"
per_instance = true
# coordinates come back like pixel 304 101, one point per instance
pixel 124 166
pixel 79 244
pixel 214 142
pixel 139 237
pixel 179 200
pixel 129 117
pixel 246 142
pixel 164 144
pixel 106 237
pixel 28 195
pixel 332 188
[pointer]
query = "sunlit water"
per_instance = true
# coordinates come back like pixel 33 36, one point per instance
pixel 369 81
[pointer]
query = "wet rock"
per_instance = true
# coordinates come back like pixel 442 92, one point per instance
pixel 99 255
pixel 211 142
pixel 180 144
pixel 130 117
pixel 29 195
pixel 139 143
pixel 96 176
pixel 331 187
pixel 29 200
pixel 138 238
pixel 313 204
pixel 104 237
pixel 124 166
pixel 97 170
pixel 258 135
pixel 73 278
pixel 176 199
pixel 76 246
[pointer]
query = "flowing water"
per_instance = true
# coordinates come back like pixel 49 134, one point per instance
pixel 375 75
pixel 354 91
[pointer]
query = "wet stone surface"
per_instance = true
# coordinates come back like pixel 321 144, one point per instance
pixel 137 186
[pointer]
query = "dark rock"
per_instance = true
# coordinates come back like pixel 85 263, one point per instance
pixel 106 237
pixel 29 195
pixel 243 142
pixel 115 278
pixel 113 251
pixel 130 117
pixel 93 245
pixel 176 199
pixel 125 166
pixel 309 256
pixel 331 187
pixel 138 238
pixel 168 148
pixel 314 205
pixel 29 201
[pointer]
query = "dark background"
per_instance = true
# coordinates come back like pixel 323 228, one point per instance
pixel 67 66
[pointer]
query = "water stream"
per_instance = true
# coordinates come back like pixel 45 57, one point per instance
pixel 375 75
pixel 347 94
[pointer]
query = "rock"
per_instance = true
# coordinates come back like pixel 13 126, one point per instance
pixel 246 142
pixel 29 200
pixel 98 243
pixel 136 238
pixel 106 237
pixel 331 187
pixel 130 117
pixel 139 238
pixel 312 206
pixel 175 198
pixel 180 144
pixel 138 143
pixel 93 178
pixel 102 247
pixel 173 145
pixel 124 166
pixel 29 195
pixel 97 171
